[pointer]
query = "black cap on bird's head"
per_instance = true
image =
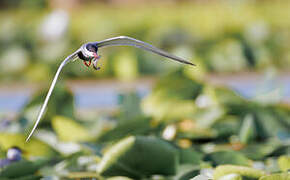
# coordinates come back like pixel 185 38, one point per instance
pixel 92 47
pixel 88 51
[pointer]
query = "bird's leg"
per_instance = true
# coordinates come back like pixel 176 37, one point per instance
pixel 88 64
pixel 95 61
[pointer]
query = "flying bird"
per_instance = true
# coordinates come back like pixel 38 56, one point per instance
pixel 88 53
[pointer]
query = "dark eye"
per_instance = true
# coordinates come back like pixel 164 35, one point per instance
pixel 92 47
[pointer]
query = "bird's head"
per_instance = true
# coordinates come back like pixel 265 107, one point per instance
pixel 88 51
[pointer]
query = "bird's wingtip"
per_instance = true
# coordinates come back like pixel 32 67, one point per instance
pixel 27 139
pixel 190 63
pixel 29 136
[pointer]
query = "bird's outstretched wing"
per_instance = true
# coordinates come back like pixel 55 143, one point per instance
pixel 116 41
pixel 128 41
pixel 43 107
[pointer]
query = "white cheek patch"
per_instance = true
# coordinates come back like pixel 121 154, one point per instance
pixel 87 53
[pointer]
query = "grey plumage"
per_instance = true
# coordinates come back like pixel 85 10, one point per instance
pixel 89 54
pixel 128 41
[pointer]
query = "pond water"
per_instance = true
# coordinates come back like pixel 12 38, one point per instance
pixel 104 94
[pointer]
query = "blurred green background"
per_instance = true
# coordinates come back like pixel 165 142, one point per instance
pixel 143 116
pixel 220 36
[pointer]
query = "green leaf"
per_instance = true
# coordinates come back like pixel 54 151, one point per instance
pixel 284 163
pixel 80 175
pixel 282 176
pixel 136 126
pixel 186 172
pixel 176 85
pixel 228 97
pixel 248 129
pixel 200 177
pixel 172 97
pixel 34 147
pixel 231 177
pixel 226 126
pixel 167 109
pixel 113 155
pixel 21 168
pixel 269 124
pixel 198 133
pixel 207 117
pixel 119 178
pixel 247 172
pixel 69 130
pixel 258 151
pixel 227 157
pixel 139 157
pixel 28 177
pixel 190 156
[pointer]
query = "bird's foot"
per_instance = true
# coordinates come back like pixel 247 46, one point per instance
pixel 95 62
pixel 87 64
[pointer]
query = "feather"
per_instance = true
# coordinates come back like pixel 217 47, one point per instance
pixel 128 41
pixel 68 59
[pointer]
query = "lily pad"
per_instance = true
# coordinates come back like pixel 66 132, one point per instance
pixel 227 157
pixel 268 124
pixel 135 126
pixel 34 147
pixel 258 151
pixel 186 172
pixel 138 156
pixel 69 130
pixel 172 97
pixel 190 156
pixel 246 172
pixel 284 163
pixel 119 178
pixel 226 126
pixel 21 169
pixel 248 129
pixel 282 176
pixel 231 177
